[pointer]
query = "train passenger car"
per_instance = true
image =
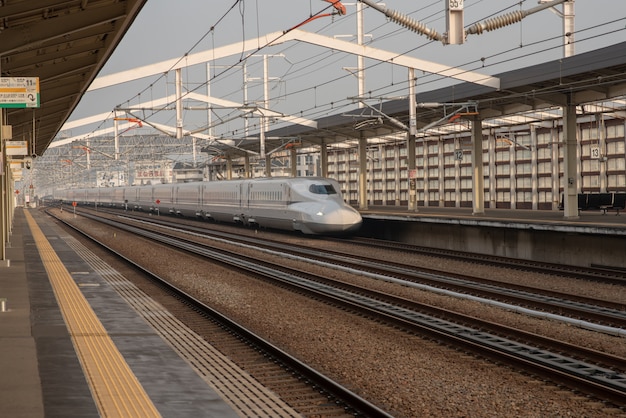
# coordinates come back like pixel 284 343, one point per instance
pixel 117 196
pixel 140 198
pixel 312 205
pixel 221 201
pixel 92 195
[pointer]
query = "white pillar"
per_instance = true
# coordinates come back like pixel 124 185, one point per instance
pixel 410 144
pixel 568 28
pixel 179 104
pixel 362 173
pixel 478 187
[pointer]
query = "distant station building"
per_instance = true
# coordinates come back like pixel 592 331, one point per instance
pixel 187 172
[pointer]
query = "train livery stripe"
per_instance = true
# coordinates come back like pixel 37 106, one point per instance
pixel 115 388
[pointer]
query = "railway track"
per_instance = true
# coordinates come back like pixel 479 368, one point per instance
pixel 597 380
pixel 584 311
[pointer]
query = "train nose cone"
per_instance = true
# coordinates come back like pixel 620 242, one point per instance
pixel 340 219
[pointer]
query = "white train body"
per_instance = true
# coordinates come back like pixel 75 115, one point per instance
pixel 312 205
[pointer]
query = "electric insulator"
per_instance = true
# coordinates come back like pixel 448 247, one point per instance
pixel 413 25
pixel 429 105
pixel 497 22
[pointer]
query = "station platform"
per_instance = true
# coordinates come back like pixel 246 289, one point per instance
pixel 594 221
pixel 70 346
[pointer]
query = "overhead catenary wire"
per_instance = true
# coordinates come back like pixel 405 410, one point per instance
pixel 241 59
pixel 335 103
pixel 343 77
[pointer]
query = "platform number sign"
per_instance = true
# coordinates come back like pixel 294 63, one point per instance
pixel 455 4
pixel 458 154
pixel 19 92
pixel 595 152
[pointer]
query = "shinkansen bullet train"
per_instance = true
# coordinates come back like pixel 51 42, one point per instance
pixel 312 205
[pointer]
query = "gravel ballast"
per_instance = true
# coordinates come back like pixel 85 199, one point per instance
pixel 407 375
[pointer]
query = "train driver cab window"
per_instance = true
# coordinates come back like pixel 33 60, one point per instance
pixel 322 189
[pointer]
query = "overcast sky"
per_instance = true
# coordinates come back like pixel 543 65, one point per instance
pixel 312 82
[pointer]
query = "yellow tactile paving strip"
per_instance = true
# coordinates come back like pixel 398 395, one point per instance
pixel 116 390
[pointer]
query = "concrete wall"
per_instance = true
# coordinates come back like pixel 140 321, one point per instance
pixel 552 246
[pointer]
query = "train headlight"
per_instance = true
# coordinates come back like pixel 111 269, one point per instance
pixel 320 213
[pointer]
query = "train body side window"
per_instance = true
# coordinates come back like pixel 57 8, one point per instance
pixel 322 189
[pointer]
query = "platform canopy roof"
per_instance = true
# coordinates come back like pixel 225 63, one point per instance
pixel 63 42
pixel 526 95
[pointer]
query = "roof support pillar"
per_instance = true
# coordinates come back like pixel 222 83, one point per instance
pixel 602 145
pixel 268 165
pixel 229 168
pixel 5 200
pixel 246 166
pixel 534 168
pixel 570 174
pixel 4 175
pixel 7 195
pixel 410 142
pixel 478 176
pixel 362 173
pixel 294 161
pixel 324 158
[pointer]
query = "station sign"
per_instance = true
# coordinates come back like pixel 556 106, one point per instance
pixel 16 165
pixel 16 169
pixel 19 92
pixel 16 148
pixel 596 154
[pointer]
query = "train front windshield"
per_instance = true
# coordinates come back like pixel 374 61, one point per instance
pixel 322 189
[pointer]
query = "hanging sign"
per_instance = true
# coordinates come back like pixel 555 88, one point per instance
pixel 16 147
pixel 19 92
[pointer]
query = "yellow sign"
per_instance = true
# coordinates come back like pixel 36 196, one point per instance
pixel 16 147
